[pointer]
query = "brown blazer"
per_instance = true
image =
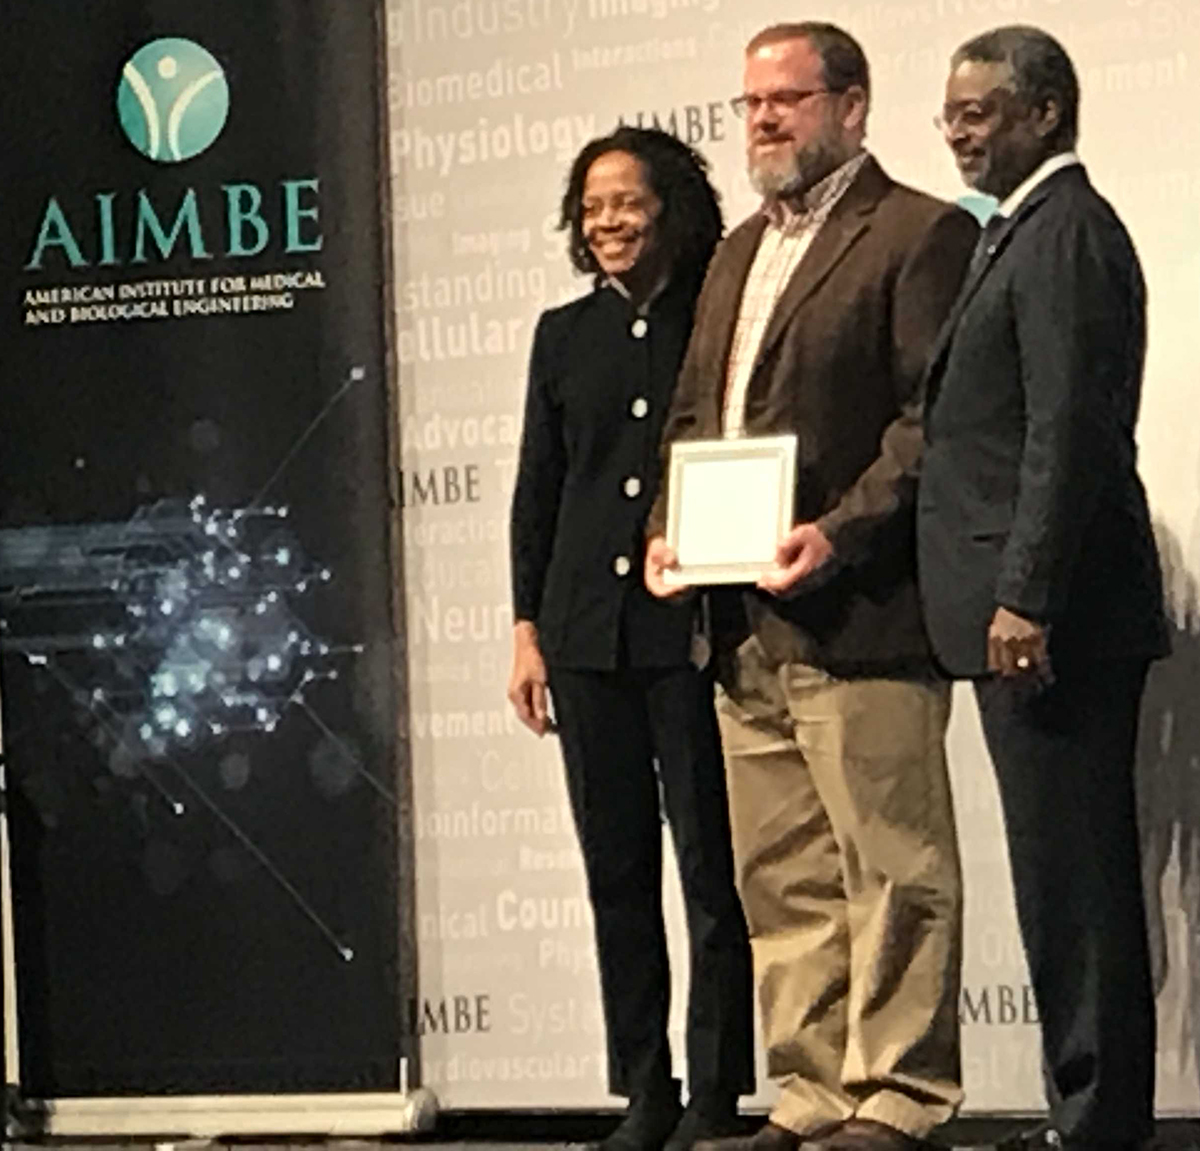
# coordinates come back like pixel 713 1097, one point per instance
pixel 841 365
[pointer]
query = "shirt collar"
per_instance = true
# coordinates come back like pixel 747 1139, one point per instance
pixel 1040 174
pixel 819 200
pixel 623 292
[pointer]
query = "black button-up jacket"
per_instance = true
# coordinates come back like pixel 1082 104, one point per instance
pixel 600 381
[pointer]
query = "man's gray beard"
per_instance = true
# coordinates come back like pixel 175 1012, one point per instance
pixel 772 183
pixel 801 171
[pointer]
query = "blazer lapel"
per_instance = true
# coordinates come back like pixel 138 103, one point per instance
pixel 996 242
pixel 980 267
pixel 849 219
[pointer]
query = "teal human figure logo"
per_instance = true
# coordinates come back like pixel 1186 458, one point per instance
pixel 172 99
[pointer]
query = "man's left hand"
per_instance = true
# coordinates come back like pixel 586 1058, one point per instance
pixel 801 553
pixel 1019 647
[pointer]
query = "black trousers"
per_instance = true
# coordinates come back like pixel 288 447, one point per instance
pixel 1064 759
pixel 615 727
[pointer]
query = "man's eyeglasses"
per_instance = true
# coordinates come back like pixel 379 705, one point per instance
pixel 783 100
pixel 971 117
pixel 970 114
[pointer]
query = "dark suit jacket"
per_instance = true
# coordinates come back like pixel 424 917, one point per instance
pixel 841 365
pixel 588 472
pixel 1029 494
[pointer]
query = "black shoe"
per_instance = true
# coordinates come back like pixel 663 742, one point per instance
pixel 1043 1137
pixel 650 1119
pixel 708 1116
pixel 770 1137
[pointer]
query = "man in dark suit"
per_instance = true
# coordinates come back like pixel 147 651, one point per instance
pixel 1038 569
pixel 817 318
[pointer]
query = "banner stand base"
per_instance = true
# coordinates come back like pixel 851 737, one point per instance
pixel 21 1120
pixel 370 1115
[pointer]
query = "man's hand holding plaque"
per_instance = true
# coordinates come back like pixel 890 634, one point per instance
pixel 660 560
pixel 802 552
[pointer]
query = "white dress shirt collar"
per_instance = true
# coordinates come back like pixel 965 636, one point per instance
pixel 1041 173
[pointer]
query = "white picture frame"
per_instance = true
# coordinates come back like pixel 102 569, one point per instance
pixel 729 502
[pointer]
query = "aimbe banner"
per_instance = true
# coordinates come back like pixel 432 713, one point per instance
pixel 196 593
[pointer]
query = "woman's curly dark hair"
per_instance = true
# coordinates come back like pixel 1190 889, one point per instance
pixel 690 223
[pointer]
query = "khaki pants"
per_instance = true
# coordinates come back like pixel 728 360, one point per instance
pixel 848 871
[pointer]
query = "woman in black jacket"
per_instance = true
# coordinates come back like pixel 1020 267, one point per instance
pixel 633 711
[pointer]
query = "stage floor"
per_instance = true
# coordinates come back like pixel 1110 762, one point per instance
pixel 964 1135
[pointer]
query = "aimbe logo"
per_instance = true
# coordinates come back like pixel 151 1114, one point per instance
pixel 172 100
pixel 172 103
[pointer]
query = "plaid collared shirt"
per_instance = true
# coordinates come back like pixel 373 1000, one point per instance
pixel 788 235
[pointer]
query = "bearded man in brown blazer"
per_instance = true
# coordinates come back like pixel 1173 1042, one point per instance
pixel 817 317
